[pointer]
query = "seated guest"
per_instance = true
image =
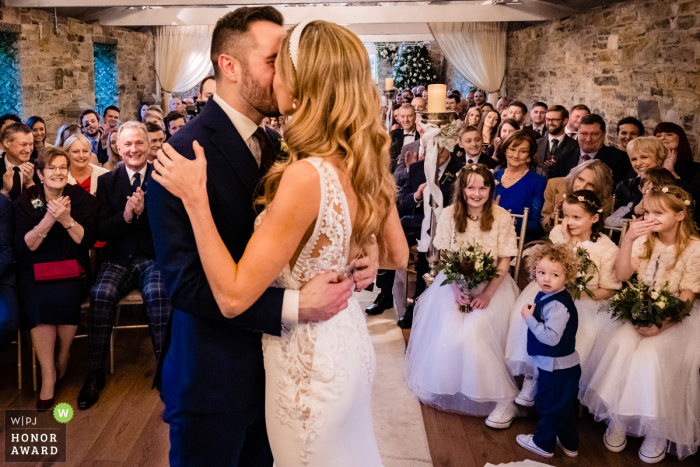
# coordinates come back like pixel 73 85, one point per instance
pixel 503 104
pixel 488 126
pixel 519 186
pixel 110 121
pixel 65 132
pixel 679 155
pixel 54 222
pixel 591 140
pixel 576 114
pixel 174 121
pixel 452 102
pixel 129 256
pixel 419 104
pixel 471 147
pixel 91 128
pixel 518 111
pixel 469 100
pixel 83 172
pixel 9 302
pixel 627 129
pixel 462 110
pixel 486 107
pixel 176 106
pixel 143 107
pixel 410 199
pixel 38 127
pixel 156 137
pixel 591 175
pixel 557 143
pixel 112 151
pixel 151 116
pixel 480 98
pixel 5 121
pixel 538 114
pixel 398 100
pixel 406 133
pixel 16 169
pixel 410 153
pixel 505 129
pixel 407 96
pixel 653 177
pixel 473 117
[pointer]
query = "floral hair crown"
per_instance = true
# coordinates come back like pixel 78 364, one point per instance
pixel 589 202
pixel 664 190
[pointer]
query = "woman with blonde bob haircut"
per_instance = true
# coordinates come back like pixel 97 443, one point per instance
pixel 329 202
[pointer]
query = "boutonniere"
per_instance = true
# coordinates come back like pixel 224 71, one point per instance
pixel 448 176
pixel 284 149
pixel 38 204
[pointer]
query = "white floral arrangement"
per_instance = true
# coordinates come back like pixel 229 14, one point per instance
pixel 643 306
pixel 449 135
pixel 38 204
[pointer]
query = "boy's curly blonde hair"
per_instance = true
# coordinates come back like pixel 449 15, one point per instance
pixel 557 253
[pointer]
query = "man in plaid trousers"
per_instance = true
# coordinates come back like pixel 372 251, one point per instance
pixel 129 256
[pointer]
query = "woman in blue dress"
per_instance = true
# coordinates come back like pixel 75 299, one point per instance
pixel 518 185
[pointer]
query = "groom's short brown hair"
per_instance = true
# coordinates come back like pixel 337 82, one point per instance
pixel 230 33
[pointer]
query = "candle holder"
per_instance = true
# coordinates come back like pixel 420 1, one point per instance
pixel 433 254
pixel 390 94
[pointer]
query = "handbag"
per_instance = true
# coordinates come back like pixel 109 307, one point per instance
pixel 58 270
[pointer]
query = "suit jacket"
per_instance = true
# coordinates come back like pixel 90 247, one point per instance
pixel 3 169
pixel 532 131
pixel 416 177
pixel 397 145
pixel 209 363
pixel 484 158
pixel 401 172
pixel 7 238
pixel 568 145
pixel 125 241
pixel 617 160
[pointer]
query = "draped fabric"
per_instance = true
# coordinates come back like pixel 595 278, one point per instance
pixel 182 57
pixel 477 51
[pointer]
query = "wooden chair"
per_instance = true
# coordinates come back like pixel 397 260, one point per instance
pixel 19 358
pixel 521 241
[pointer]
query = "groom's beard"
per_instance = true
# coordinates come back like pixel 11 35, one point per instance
pixel 259 97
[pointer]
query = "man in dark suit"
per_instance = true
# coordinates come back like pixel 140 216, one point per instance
pixel 129 256
pixel 591 140
pixel 9 301
pixel 556 143
pixel 5 121
pixel 406 116
pixel 411 199
pixel 538 115
pixel 16 168
pixel 211 374
pixel 471 148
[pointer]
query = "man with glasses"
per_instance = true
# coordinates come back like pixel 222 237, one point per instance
pixel 556 143
pixel 129 256
pixel 16 169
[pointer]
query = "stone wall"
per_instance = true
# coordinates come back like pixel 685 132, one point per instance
pixel 637 58
pixel 58 69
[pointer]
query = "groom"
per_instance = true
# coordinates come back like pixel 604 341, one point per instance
pixel 211 373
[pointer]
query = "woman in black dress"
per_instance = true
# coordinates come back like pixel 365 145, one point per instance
pixel 53 222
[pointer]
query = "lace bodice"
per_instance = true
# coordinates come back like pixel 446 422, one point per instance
pixel 329 245
pixel 655 270
pixel 501 240
pixel 603 252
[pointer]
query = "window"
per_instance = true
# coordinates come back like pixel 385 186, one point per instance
pixel 10 82
pixel 106 91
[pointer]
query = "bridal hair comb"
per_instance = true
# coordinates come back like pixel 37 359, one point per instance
pixel 294 40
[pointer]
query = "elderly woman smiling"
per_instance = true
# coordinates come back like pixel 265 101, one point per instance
pixel 54 222
pixel 83 170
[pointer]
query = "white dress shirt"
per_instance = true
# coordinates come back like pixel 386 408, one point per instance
pixel 559 138
pixel 408 138
pixel 473 159
pixel 10 168
pixel 246 128
pixel 131 174
pixel 591 154
pixel 571 134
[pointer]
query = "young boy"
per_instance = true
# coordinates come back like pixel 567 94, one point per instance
pixel 552 323
pixel 471 141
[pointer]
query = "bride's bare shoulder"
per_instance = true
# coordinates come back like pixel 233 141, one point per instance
pixel 300 178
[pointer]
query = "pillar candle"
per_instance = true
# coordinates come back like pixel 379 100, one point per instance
pixel 389 84
pixel 437 94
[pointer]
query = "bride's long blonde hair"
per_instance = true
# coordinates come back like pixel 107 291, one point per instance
pixel 338 115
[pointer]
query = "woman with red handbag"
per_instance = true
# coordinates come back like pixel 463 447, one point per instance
pixel 54 230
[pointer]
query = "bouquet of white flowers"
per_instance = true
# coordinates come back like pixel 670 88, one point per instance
pixel 643 306
pixel 468 267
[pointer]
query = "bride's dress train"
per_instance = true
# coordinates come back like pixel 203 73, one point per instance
pixel 319 375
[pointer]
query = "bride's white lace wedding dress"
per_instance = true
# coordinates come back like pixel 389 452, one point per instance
pixel 319 375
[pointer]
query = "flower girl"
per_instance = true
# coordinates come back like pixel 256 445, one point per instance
pixel 646 383
pixel 455 361
pixel 581 228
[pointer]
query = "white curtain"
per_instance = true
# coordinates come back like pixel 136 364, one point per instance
pixel 477 51
pixel 182 58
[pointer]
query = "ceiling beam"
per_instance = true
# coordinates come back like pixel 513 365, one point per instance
pixel 424 13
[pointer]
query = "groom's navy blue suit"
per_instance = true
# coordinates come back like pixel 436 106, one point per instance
pixel 211 373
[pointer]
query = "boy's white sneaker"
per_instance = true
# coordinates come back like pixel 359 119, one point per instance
pixel 566 451
pixel 653 449
pixel 615 437
pixel 528 443
pixel 526 397
pixel 502 416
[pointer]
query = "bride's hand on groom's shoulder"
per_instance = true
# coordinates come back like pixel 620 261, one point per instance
pixel 323 297
pixel 184 178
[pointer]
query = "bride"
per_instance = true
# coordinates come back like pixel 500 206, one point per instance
pixel 332 198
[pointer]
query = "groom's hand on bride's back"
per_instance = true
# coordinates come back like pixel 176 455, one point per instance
pixel 323 297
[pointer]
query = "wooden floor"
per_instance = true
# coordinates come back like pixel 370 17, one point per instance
pixel 125 427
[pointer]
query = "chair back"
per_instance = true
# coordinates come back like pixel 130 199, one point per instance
pixel 521 241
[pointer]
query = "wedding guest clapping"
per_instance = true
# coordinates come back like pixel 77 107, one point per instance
pixel 83 170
